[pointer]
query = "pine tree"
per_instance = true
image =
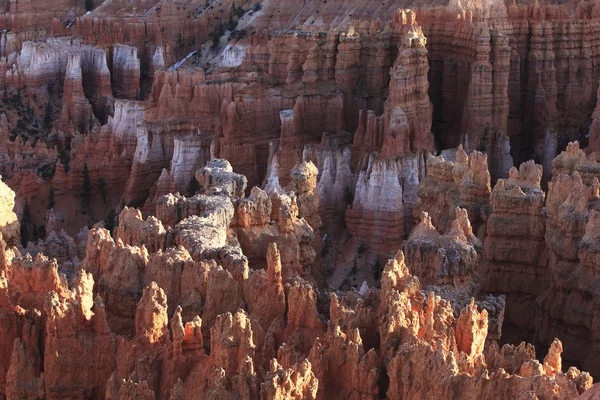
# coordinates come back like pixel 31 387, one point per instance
pixel 25 224
pixel 109 221
pixel 87 188
pixel 102 186
pixel 193 187
pixel 232 23
pixel 240 11
pixel 483 143
pixel 48 117
pixel 180 43
pixel 18 97
pixel 5 93
pixel 216 39
pixel 64 158
pixel 51 201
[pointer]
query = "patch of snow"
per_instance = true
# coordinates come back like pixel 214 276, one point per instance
pixel 587 135
pixel 248 18
pixel 364 288
pixel 273 187
pixel 232 56
pixel 228 56
pixel 183 60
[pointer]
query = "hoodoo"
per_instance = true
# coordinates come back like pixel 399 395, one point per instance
pixel 338 199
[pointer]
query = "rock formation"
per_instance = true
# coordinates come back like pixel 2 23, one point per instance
pixel 381 213
pixel 571 208
pixel 515 260
pixel 449 184
pixel 448 259
pixel 265 328
pixel 9 224
pixel 283 199
pixel 126 72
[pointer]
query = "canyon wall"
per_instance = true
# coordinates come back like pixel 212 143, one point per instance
pixel 253 169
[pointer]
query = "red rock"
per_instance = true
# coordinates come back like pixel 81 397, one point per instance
pixel 570 233
pixel 515 249
pixel 464 183
pixel 30 280
pixel 9 225
pixel 126 72
pixel 264 292
pixel 134 231
pixel 448 259
pixel 8 319
pixel 383 201
pixel 77 326
pixel 342 366
pixel 298 382
pixel 303 322
pixel 365 92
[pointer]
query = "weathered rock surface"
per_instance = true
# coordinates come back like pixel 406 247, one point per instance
pixel 463 183
pixel 139 259
pixel 515 258
pixel 448 259
pixel 381 213
pixel 9 224
pixel 571 226
pixel 257 332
